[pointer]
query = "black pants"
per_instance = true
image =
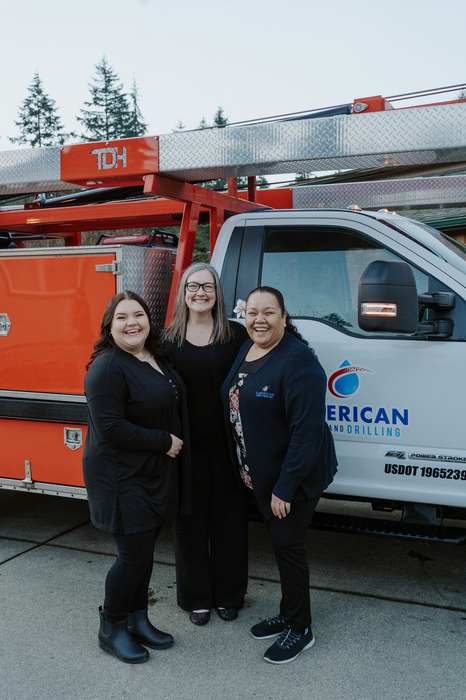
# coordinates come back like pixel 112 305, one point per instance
pixel 127 582
pixel 211 544
pixel 288 537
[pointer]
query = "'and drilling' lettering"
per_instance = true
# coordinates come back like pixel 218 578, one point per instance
pixel 367 420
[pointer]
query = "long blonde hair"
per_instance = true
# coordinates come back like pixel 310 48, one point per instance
pixel 176 331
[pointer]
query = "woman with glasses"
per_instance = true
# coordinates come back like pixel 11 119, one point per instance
pixel 210 543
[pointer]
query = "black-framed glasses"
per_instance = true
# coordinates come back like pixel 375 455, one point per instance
pixel 208 287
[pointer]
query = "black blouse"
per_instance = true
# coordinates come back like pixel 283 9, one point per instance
pixel 203 370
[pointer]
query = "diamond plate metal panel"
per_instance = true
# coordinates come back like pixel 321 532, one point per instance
pixel 420 136
pixel 31 170
pixel 148 272
pixel 426 135
pixel 412 193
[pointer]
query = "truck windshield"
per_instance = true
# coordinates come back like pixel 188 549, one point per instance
pixel 439 243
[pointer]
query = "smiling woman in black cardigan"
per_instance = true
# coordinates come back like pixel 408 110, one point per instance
pixel 275 401
pixel 135 468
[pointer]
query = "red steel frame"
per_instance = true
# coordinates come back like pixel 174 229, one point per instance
pixel 167 201
pixel 67 221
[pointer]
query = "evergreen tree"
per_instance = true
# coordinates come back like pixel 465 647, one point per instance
pixel 201 252
pixel 179 127
pixel 136 125
pixel 219 118
pixel 38 121
pixel 108 115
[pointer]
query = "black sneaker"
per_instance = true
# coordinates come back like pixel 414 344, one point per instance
pixel 288 646
pixel 268 628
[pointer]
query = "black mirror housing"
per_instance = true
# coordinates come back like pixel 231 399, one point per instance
pixel 388 299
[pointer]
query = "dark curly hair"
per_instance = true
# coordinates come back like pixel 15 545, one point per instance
pixel 106 342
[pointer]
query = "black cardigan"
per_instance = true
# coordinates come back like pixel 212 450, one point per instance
pixel 289 446
pixel 132 411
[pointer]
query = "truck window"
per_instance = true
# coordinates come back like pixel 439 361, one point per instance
pixel 318 270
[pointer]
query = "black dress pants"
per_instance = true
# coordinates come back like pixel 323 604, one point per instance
pixel 288 536
pixel 127 582
pixel 211 544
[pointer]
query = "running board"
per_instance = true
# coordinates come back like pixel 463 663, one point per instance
pixel 357 525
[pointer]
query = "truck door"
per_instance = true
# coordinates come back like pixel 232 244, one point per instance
pixel 395 404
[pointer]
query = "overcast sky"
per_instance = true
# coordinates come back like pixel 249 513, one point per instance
pixel 254 58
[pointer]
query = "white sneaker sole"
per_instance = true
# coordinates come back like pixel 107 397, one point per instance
pixel 268 636
pixel 287 661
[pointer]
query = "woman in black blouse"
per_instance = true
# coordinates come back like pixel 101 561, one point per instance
pixel 210 543
pixel 130 465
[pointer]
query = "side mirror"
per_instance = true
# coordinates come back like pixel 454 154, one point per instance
pixel 388 300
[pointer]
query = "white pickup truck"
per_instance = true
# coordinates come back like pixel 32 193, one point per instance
pixel 381 299
pixel 391 340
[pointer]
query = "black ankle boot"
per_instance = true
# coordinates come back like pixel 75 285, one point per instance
pixel 114 638
pixel 142 630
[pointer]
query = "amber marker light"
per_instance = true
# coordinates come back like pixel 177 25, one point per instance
pixel 379 310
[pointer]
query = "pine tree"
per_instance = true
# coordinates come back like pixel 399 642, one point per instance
pixel 136 125
pixel 108 115
pixel 219 118
pixel 179 127
pixel 203 124
pixel 38 121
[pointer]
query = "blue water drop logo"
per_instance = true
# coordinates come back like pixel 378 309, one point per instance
pixel 347 383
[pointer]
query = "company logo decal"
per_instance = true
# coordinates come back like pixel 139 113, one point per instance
pixel 354 419
pixel 345 381
pixel 265 393
pixel 114 157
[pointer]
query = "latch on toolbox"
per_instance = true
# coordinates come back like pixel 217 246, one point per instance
pixel 5 324
pixel 114 267
pixel 73 438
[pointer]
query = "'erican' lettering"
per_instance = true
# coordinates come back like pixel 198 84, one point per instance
pixel 367 414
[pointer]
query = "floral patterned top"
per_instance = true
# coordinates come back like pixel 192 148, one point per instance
pixel 245 370
pixel 237 428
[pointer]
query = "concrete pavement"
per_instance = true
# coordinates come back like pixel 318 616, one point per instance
pixel 389 618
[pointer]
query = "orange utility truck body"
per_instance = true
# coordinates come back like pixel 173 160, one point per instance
pixel 55 299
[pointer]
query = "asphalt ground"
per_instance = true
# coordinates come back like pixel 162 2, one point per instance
pixel 389 618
